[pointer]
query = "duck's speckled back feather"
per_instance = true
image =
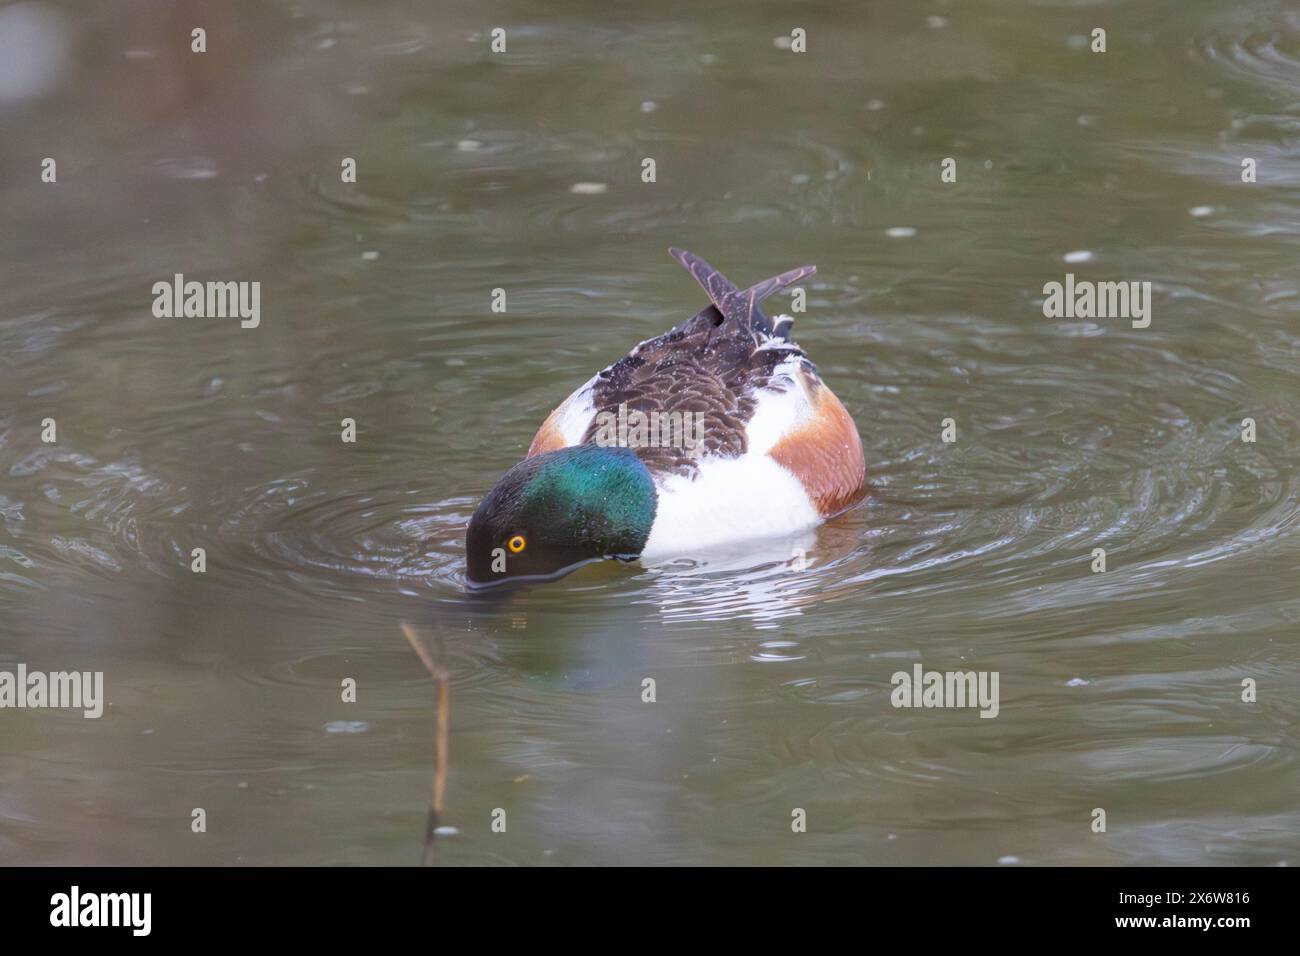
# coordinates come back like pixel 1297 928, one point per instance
pixel 718 363
pixel 705 365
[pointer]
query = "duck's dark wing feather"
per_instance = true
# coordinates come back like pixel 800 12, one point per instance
pixel 706 366
pixel 740 308
pixel 715 364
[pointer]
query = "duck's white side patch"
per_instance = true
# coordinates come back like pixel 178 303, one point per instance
pixel 576 414
pixel 730 499
pixel 776 414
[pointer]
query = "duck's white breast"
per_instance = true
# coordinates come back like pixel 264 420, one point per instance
pixel 729 499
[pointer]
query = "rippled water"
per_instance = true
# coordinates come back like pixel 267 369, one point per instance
pixel 1119 690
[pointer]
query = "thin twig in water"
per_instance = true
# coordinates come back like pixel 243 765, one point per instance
pixel 438 671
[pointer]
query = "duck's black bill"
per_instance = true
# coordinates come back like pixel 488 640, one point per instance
pixel 505 583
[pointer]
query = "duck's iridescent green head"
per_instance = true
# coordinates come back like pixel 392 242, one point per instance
pixel 553 512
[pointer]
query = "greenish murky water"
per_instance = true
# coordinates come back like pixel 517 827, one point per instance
pixel 1119 690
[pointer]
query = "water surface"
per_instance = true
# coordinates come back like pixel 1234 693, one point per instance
pixel 1119 690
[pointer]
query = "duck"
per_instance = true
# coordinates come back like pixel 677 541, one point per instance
pixel 717 432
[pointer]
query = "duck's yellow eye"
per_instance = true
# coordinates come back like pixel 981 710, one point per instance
pixel 516 544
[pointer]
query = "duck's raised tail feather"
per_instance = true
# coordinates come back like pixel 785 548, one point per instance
pixel 736 306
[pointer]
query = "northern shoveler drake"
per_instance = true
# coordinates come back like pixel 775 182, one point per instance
pixel 717 431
